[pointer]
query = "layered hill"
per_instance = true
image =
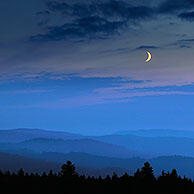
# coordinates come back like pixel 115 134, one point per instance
pixel 90 146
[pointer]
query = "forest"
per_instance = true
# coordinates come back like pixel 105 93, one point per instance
pixel 69 181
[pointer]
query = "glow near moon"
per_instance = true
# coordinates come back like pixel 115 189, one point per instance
pixel 149 57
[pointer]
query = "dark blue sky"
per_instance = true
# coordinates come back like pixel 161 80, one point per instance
pixel 80 66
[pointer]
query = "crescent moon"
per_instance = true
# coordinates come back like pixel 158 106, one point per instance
pixel 149 57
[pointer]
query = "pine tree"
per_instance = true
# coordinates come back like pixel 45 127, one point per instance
pixel 68 170
pixel 114 176
pixel 137 174
pixel 21 173
pixel 174 174
pixel 147 171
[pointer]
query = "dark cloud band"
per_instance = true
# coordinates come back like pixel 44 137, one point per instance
pixel 95 20
pixel 101 19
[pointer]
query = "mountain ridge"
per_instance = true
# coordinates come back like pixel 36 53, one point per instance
pixel 158 133
pixel 76 145
pixel 22 134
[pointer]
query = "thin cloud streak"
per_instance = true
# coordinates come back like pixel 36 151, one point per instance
pixel 102 97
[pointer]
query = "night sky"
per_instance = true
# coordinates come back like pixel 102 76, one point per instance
pixel 79 65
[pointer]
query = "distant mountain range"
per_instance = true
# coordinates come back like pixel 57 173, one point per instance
pixel 155 146
pixel 158 133
pixel 90 146
pixel 142 143
pixel 18 135
pixel 124 151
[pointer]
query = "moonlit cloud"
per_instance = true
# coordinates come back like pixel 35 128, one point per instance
pixel 61 40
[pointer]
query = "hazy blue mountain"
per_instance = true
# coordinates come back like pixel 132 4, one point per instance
pixel 18 135
pixel 93 161
pixel 14 162
pixel 184 165
pixel 95 165
pixel 157 146
pixel 65 146
pixel 147 144
pixel 23 134
pixel 159 133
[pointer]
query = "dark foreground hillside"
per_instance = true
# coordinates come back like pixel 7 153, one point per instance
pixel 68 181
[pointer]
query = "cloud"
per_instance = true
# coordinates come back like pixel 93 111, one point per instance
pixel 110 8
pixel 94 20
pixel 93 91
pixel 43 12
pixel 57 6
pixel 186 40
pixel 105 96
pixel 102 19
pixel 24 91
pixel 91 27
pixel 183 43
pixel 187 16
pixel 173 6
pixel 146 47
pixel 185 46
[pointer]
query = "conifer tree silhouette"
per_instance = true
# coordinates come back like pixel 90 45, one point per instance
pixel 114 176
pixel 68 181
pixel 68 170
pixel 147 171
pixel 137 174
pixel 174 174
pixel 21 172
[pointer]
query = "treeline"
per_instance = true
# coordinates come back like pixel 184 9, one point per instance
pixel 68 181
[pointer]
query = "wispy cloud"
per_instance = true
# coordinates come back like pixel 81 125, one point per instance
pixel 24 91
pixel 105 97
pixel 116 94
pixel 143 47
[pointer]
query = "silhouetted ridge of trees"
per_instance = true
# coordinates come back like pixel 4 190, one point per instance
pixel 69 181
